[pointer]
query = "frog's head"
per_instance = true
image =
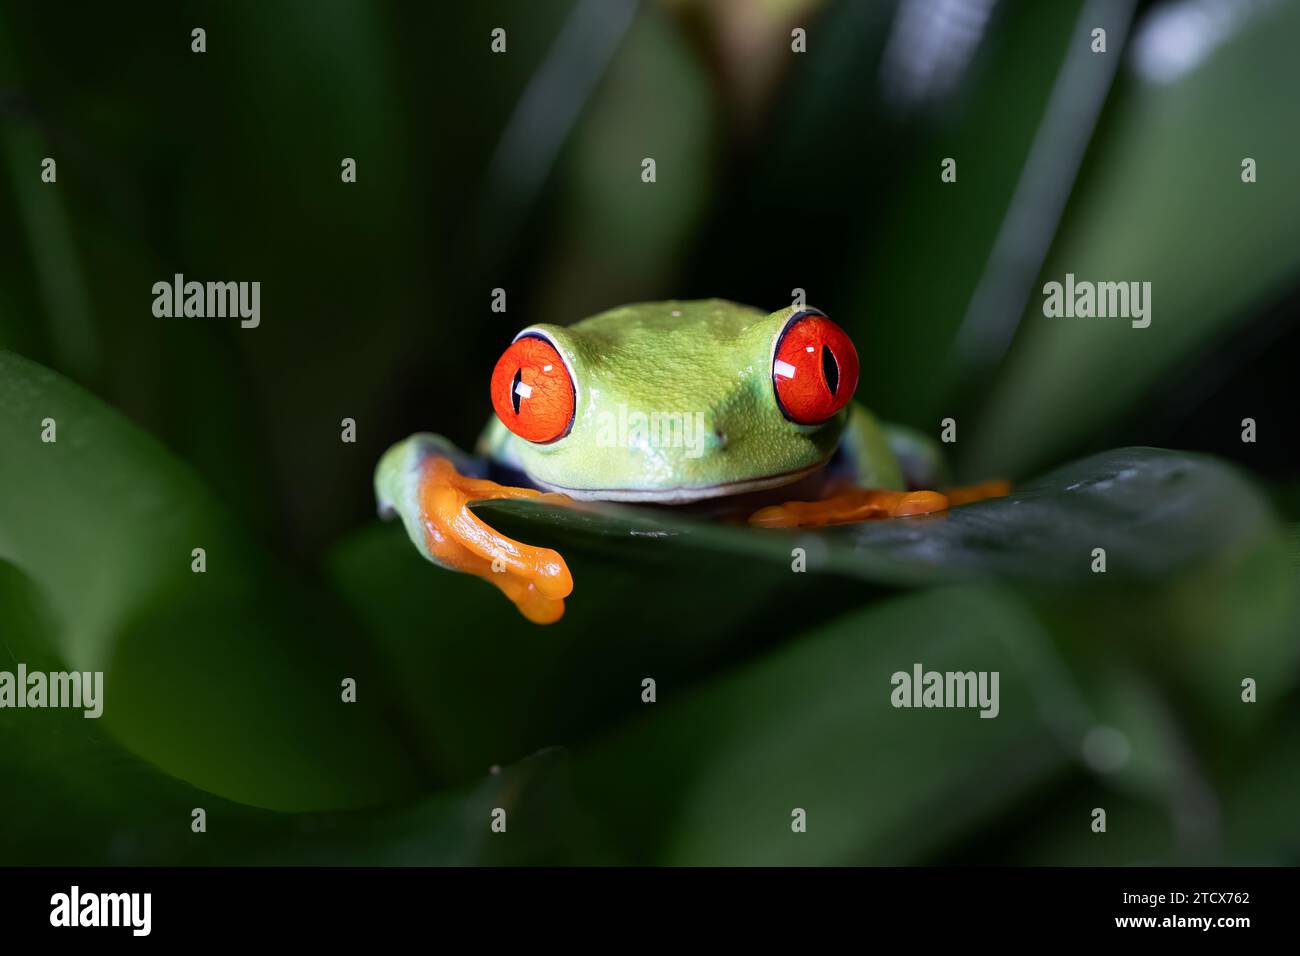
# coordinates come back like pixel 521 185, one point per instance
pixel 676 401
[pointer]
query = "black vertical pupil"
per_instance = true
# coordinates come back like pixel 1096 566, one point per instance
pixel 831 369
pixel 514 389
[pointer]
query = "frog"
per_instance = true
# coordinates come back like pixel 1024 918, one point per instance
pixel 723 410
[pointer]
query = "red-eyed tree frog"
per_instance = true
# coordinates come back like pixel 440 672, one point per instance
pixel 706 404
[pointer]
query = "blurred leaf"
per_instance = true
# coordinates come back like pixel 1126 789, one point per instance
pixel 84 800
pixel 785 213
pixel 1261 789
pixel 1139 832
pixel 228 679
pixel 53 258
pixel 747 45
pixel 942 258
pixel 70 768
pixel 484 686
pixel 616 238
pixel 450 828
pixel 543 119
pixel 1163 202
pixel 1248 816
pixel 711 777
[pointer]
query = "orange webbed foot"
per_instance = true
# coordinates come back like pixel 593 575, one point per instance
pixel 536 580
pixel 867 504
pixel 849 507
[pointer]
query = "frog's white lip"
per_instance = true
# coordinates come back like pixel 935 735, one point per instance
pixel 682 494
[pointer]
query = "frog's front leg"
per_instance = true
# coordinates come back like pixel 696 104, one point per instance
pixel 849 507
pixel 878 472
pixel 422 480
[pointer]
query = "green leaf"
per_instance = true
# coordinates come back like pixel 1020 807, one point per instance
pixel 1026 115
pixel 1157 514
pixel 712 777
pixel 615 238
pixel 126 812
pixel 1163 202
pixel 449 828
pixel 482 686
pixel 1238 812
pixel 228 679
pixel 1261 788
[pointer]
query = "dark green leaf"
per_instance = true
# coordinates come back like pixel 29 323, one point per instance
pixel 1157 514
pixel 713 777
pixel 228 679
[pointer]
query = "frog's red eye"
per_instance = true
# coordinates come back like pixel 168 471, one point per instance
pixel 532 392
pixel 815 370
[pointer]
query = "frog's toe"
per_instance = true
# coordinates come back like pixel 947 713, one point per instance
pixel 920 503
pixel 532 602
